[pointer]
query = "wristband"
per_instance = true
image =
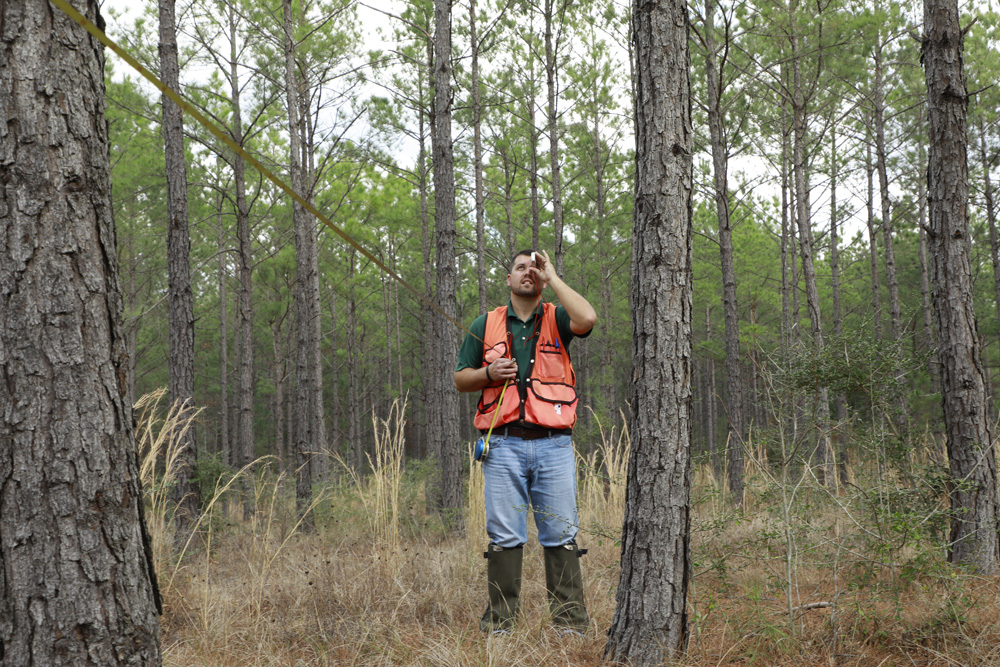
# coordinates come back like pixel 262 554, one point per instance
pixel 488 378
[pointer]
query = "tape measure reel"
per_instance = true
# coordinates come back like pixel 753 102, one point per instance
pixel 482 450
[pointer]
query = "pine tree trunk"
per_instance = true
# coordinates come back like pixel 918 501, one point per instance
pixel 77 585
pixel 551 85
pixel 608 377
pixel 336 431
pixel 712 417
pixel 452 498
pixel 246 426
pixel 131 324
pixel 429 364
pixel 304 439
pixel 973 491
pixel 650 623
pixel 720 170
pixel 529 115
pixel 401 392
pixel 873 243
pixel 185 492
pixel 233 449
pixel 925 281
pixel 477 165
pixel 509 175
pixel 711 411
pixel 223 338
pixel 991 216
pixel 896 326
pixel 823 453
pixel 900 414
pixel 278 411
pixel 840 400
pixel 786 285
pixel 353 373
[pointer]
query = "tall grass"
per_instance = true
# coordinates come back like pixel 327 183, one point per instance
pixel 602 491
pixel 779 582
pixel 475 509
pixel 159 439
pixel 378 488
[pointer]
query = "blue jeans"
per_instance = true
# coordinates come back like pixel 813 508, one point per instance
pixel 537 473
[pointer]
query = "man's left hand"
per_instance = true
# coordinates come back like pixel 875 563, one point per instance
pixel 542 270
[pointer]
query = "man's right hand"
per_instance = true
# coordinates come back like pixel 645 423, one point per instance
pixel 475 379
pixel 503 369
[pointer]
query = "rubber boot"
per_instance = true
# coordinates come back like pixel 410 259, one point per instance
pixel 503 578
pixel 564 584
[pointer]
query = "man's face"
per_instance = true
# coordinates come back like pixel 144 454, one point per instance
pixel 520 280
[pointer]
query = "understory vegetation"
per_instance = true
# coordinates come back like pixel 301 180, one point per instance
pixel 849 574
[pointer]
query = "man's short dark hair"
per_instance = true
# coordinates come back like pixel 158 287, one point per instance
pixel 513 258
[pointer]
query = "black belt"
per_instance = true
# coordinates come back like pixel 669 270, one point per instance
pixel 529 433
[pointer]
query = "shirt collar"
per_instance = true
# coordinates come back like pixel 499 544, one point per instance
pixel 512 314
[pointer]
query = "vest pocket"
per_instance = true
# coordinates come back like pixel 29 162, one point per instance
pixel 554 405
pixel 495 352
pixel 549 363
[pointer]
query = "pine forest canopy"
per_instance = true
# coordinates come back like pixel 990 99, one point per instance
pixel 820 128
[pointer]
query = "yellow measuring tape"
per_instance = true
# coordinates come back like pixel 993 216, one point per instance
pixel 228 141
pixel 496 413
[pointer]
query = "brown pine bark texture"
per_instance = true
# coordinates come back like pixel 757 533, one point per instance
pixel 972 464
pixel 245 429
pixel 306 297
pixel 650 623
pixel 447 273
pixel 181 368
pixel 552 117
pixel 720 178
pixel 76 580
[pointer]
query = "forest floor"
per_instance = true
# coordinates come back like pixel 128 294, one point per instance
pixel 799 576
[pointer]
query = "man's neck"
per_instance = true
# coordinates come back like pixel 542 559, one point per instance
pixel 524 306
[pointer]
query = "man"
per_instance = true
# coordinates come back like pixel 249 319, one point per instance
pixel 518 356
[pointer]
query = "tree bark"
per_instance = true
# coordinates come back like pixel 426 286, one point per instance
pixel 786 284
pixel 529 116
pixel 720 170
pixel 336 432
pixel 840 400
pixel 280 372
pixel 925 283
pixel 245 439
pixel 896 326
pixel 430 363
pixel 991 216
pixel 900 416
pixel 223 339
pixel 973 491
pixel 802 212
pixel 650 623
pixel 185 493
pixel 477 165
pixel 306 315
pixel 551 85
pixel 353 373
pixel 509 180
pixel 77 585
pixel 711 412
pixel 873 243
pixel 452 499
pixel 925 293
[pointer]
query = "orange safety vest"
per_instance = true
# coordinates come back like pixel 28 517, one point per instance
pixel 548 398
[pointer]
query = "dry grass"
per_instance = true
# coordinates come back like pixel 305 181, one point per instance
pixel 379 583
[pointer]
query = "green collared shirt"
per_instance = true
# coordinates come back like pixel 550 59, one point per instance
pixel 470 355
